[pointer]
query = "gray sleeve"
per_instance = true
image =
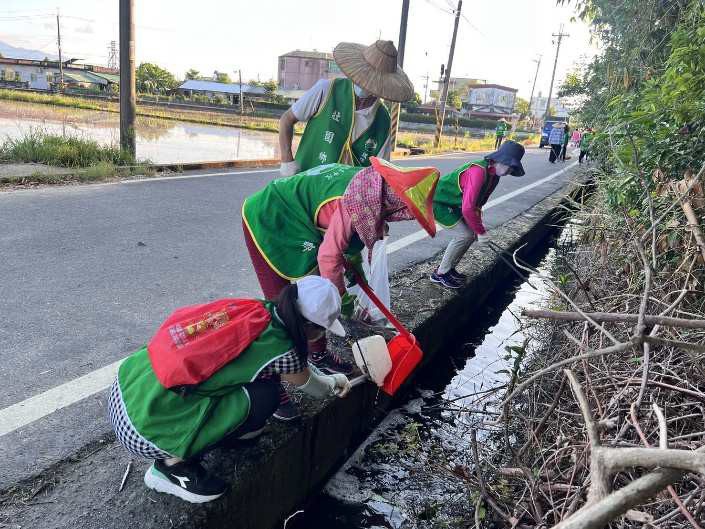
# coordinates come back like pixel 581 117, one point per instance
pixel 309 103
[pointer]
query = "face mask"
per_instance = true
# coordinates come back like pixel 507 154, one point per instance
pixel 361 92
pixel 501 170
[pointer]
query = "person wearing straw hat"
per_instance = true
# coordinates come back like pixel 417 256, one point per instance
pixel 555 140
pixel 500 132
pixel 458 202
pixel 313 221
pixel 175 428
pixel 346 120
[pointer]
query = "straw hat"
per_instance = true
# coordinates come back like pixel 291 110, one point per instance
pixel 375 69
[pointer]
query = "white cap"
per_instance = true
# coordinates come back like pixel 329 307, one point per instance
pixel 319 302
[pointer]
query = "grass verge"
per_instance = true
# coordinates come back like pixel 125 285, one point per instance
pixel 86 159
pixel 454 143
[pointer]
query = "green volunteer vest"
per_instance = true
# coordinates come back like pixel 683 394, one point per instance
pixel 327 137
pixel 184 426
pixel 372 140
pixel 501 128
pixel 283 217
pixel 585 141
pixel 448 200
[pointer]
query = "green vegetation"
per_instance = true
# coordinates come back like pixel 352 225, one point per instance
pixel 151 79
pixel 455 143
pixel 55 99
pixel 60 151
pixel 522 108
pixel 645 94
pixel 477 123
pixel 88 160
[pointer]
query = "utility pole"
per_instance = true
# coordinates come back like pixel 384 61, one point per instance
pixel 560 36
pixel 242 106
pixel 396 107
pixel 61 61
pixel 425 88
pixel 444 96
pixel 128 89
pixel 536 76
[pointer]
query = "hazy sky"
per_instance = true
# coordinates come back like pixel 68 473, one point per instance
pixel 497 39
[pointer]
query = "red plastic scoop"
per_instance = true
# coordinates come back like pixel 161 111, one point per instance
pixel 404 350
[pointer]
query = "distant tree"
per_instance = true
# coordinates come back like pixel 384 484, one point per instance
pixel 193 74
pixel 270 87
pixel 521 107
pixel 572 85
pixel 222 77
pixel 254 82
pixel 152 79
pixel 454 99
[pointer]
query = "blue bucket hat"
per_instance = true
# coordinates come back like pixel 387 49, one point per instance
pixel 509 153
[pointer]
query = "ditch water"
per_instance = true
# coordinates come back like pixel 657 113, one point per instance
pixel 158 140
pixel 411 472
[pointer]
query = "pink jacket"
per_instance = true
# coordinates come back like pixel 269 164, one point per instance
pixel 471 182
pixel 339 231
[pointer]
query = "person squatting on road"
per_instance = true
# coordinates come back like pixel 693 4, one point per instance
pixel 313 221
pixel 500 132
pixel 346 120
pixel 176 427
pixel 555 140
pixel 458 203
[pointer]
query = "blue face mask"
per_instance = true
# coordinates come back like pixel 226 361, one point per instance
pixel 361 92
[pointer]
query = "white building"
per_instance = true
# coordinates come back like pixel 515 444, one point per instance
pixel 538 107
pixel 489 100
pixel 45 75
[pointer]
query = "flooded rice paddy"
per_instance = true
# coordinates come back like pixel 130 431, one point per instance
pixel 158 140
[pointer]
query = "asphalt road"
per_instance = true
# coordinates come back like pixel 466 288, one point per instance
pixel 89 272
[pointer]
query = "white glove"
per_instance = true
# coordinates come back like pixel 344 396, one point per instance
pixel 289 168
pixel 483 238
pixel 342 385
pixel 321 386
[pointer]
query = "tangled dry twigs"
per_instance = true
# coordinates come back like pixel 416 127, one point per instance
pixel 634 362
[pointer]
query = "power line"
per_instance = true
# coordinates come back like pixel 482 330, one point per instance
pixel 440 8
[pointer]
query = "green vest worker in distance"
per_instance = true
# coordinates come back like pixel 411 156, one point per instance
pixel 500 132
pixel 311 222
pixel 346 121
pixel 458 202
pixel 234 403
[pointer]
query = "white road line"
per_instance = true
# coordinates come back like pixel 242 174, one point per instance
pixel 397 245
pixel 43 404
pixel 34 408
pixel 146 180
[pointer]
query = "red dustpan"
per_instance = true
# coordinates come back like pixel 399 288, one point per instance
pixel 404 351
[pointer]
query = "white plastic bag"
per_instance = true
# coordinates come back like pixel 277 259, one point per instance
pixel 377 273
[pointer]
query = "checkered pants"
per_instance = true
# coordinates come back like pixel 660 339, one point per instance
pixel 125 432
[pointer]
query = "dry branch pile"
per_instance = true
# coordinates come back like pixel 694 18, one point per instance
pixel 605 426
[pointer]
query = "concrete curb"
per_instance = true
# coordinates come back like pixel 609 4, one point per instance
pixel 289 463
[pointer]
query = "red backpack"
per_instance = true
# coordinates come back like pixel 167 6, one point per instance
pixel 196 341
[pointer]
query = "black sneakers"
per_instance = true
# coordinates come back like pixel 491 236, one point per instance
pixel 446 280
pixel 331 363
pixel 457 275
pixel 188 480
pixel 287 411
